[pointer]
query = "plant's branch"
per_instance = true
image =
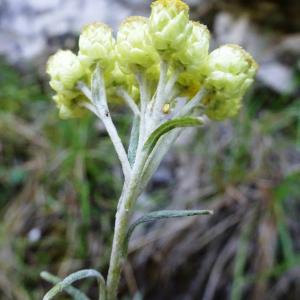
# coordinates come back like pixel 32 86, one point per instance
pixel 143 91
pixel 91 107
pixel 171 82
pixel 165 92
pixel 180 103
pixel 145 97
pixel 130 102
pixel 84 89
pixel 190 105
pixel 118 145
pixel 159 95
pixel 99 107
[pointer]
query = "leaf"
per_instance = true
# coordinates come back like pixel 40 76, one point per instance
pixel 163 214
pixel 134 139
pixel 167 126
pixel 62 285
pixel 75 293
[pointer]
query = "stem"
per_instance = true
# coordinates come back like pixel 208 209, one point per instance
pixel 171 82
pixel 118 145
pixel 190 105
pixel 159 97
pixel 130 102
pixel 142 170
pixel 127 200
pixel 144 101
pixel 99 107
pixel 165 92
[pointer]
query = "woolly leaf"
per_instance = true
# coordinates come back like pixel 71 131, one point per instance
pixel 163 214
pixel 167 126
pixel 62 285
pixel 75 293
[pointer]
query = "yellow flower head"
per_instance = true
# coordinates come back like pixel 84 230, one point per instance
pixel 169 25
pixel 193 57
pixel 65 70
pixel 134 48
pixel 230 70
pixel 96 45
pixel 70 107
pixel 219 108
pixel 195 51
pixel 118 79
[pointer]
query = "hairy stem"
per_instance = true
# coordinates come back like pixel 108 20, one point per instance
pixel 118 145
pixel 190 105
pixel 144 109
pixel 159 96
pixel 127 200
pixel 113 134
pixel 142 170
pixel 130 102
pixel 98 105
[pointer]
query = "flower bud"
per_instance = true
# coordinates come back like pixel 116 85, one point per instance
pixel 70 107
pixel 153 73
pixel 96 45
pixel 189 84
pixel 220 108
pixel 65 70
pixel 134 48
pixel 193 57
pixel 169 25
pixel 230 70
pixel 195 51
pixel 116 79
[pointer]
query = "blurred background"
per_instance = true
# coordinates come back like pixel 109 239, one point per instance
pixel 60 180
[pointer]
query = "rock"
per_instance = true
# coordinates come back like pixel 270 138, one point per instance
pixel 268 49
pixel 277 76
pixel 26 26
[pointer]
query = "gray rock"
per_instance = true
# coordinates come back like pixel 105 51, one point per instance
pixel 26 26
pixel 277 76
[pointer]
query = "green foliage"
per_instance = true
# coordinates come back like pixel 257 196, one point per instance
pixel 69 280
pixel 17 91
pixel 168 126
pixel 73 292
pixel 163 214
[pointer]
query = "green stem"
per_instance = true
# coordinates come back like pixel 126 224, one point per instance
pixel 127 200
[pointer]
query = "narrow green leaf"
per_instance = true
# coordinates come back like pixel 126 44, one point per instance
pixel 167 126
pixel 73 292
pixel 62 285
pixel 134 139
pixel 163 214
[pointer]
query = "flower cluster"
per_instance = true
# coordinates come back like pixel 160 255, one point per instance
pixel 162 68
pixel 230 71
pixel 140 47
